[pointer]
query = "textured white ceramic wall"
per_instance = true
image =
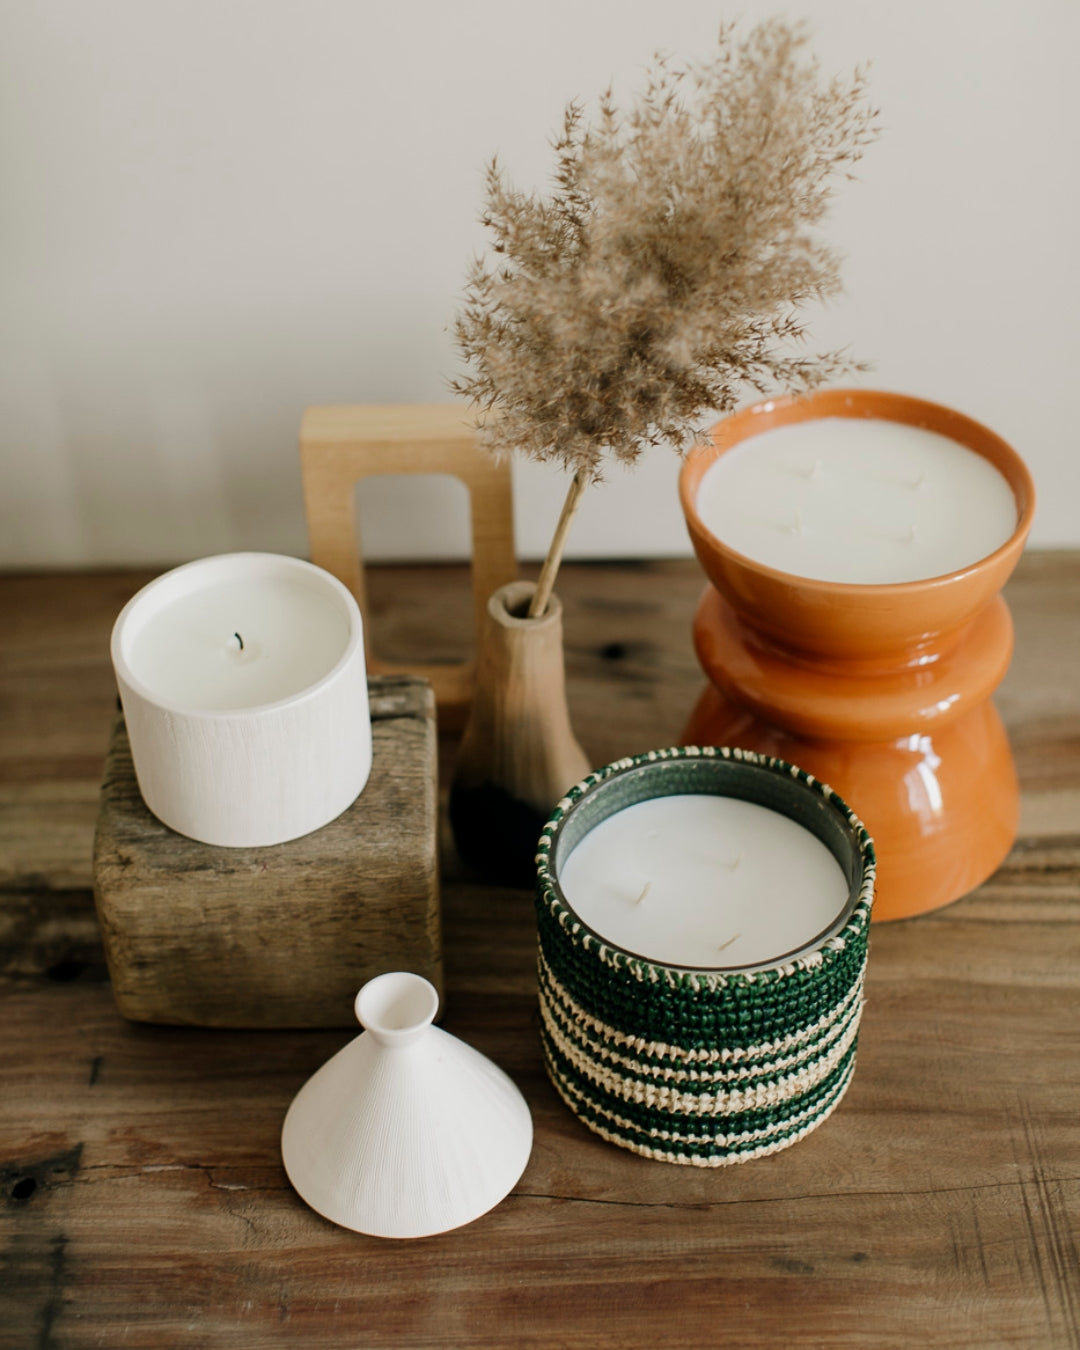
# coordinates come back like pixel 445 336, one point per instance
pixel 218 211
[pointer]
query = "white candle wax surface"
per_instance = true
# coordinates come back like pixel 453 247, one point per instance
pixel 239 642
pixel 701 881
pixel 857 500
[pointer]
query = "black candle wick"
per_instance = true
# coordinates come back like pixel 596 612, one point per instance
pixel 240 640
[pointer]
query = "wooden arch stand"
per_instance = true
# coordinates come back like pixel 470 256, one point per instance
pixel 340 445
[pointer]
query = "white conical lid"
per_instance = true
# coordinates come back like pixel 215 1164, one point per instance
pixel 406 1131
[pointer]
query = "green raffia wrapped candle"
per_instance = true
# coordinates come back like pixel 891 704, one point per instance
pixel 701 1066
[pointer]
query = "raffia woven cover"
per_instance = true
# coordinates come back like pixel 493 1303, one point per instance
pixel 702 1067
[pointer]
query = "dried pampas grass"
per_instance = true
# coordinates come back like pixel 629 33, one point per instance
pixel 663 274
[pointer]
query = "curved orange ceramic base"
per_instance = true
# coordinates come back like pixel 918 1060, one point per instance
pixel 881 691
pixel 942 810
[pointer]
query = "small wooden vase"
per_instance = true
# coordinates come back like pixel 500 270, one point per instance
pixel 518 754
pixel 882 691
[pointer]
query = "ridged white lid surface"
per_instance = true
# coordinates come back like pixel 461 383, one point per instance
pixel 406 1131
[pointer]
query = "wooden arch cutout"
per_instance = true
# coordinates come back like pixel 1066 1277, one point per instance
pixel 340 445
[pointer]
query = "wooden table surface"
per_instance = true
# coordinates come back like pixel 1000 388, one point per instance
pixel 143 1198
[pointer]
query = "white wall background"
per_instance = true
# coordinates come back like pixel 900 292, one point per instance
pixel 215 212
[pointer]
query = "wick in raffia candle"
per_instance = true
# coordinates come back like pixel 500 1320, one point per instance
pixel 703 918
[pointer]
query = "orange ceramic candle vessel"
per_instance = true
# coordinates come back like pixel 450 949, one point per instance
pixel 882 691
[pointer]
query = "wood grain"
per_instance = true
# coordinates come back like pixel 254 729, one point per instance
pixel 282 936
pixel 939 1206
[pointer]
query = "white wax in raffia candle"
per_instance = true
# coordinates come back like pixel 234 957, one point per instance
pixel 857 500
pixel 702 881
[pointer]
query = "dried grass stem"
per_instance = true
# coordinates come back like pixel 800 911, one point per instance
pixel 546 584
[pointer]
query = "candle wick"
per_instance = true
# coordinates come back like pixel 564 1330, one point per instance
pixel 918 481
pixel 723 946
pixel 644 893
pixel 796 526
pixel 912 534
pixel 240 640
pixel 738 859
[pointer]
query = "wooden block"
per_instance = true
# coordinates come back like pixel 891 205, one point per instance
pixel 341 445
pixel 282 936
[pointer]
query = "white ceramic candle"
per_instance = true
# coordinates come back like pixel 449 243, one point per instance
pixel 245 695
pixel 857 500
pixel 704 881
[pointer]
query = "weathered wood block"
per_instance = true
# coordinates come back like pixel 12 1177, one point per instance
pixel 282 936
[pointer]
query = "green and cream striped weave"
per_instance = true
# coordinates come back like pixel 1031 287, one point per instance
pixel 706 1067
